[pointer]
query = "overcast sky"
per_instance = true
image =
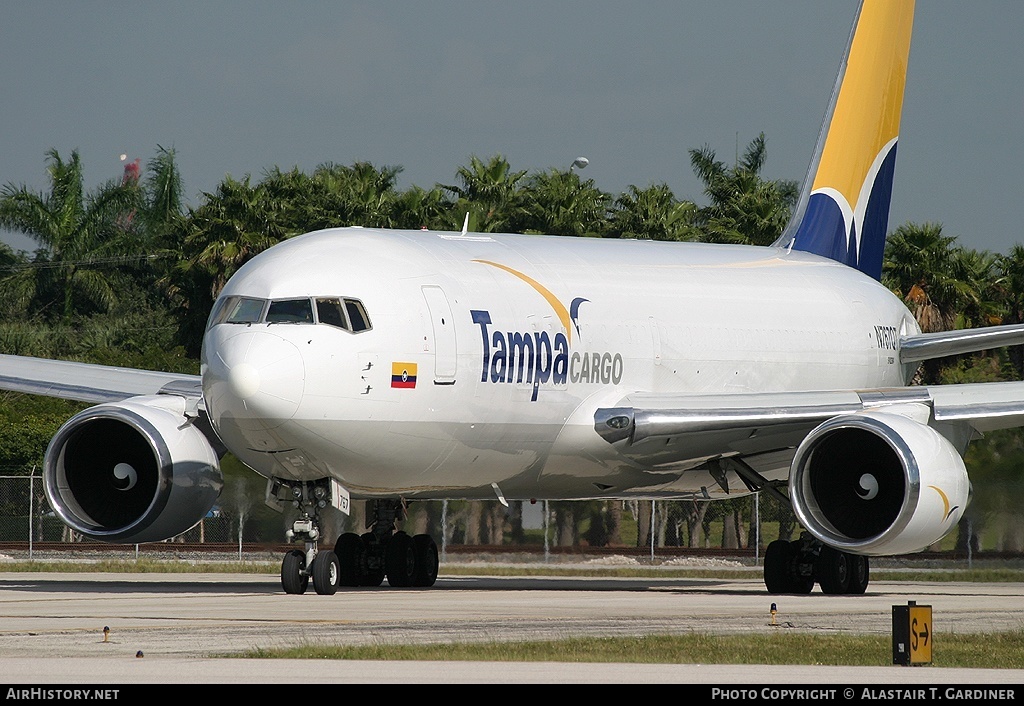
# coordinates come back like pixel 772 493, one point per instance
pixel 239 87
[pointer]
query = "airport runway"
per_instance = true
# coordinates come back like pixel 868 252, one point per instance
pixel 173 628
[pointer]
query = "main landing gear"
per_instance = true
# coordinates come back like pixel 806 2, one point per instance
pixel 404 560
pixel 356 560
pixel 794 567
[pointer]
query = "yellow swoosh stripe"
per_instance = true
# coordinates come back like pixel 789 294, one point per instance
pixel 945 500
pixel 560 311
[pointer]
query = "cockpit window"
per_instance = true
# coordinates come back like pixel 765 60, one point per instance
pixel 357 315
pixel 217 313
pixel 243 310
pixel 329 311
pixel 294 311
pixel 347 314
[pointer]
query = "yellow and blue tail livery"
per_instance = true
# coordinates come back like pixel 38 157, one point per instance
pixel 844 212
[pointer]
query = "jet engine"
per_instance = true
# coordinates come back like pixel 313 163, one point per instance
pixel 878 483
pixel 131 472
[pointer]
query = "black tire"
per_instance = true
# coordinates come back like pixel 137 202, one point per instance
pixel 400 560
pixel 859 574
pixel 802 583
pixel 427 561
pixel 294 578
pixel 326 573
pixel 350 551
pixel 778 558
pixel 832 570
pixel 373 558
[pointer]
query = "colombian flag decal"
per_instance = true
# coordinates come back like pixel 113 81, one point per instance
pixel 403 375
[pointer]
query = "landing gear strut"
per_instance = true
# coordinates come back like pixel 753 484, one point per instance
pixel 794 567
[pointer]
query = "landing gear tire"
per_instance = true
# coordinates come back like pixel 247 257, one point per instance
pixel 351 556
pixel 294 578
pixel 803 582
pixel 832 570
pixel 374 575
pixel 426 560
pixel 782 564
pixel 400 560
pixel 859 574
pixel 777 559
pixel 326 573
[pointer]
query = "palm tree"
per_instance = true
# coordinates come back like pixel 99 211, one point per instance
pixel 489 194
pixel 983 304
pixel 559 203
pixel 163 187
pixel 80 235
pixel 417 207
pixel 234 224
pixel 927 270
pixel 944 285
pixel 744 208
pixel 653 213
pixel 297 202
pixel 1011 269
pixel 333 195
pixel 360 194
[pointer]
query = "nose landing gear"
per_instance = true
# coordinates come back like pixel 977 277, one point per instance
pixel 298 566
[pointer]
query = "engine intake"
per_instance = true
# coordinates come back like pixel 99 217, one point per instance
pixel 135 471
pixel 878 483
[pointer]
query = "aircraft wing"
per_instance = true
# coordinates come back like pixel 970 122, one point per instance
pixel 86 382
pixel 924 346
pixel 661 430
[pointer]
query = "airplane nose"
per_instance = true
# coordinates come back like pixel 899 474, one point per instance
pixel 244 380
pixel 254 378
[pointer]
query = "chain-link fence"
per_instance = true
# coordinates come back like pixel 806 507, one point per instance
pixel 26 516
pixel 742 526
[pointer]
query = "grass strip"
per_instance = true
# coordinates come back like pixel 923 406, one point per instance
pixel 973 651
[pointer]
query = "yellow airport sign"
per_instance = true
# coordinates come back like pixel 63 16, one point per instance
pixel 912 634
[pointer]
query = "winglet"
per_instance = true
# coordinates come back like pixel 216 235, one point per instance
pixel 843 211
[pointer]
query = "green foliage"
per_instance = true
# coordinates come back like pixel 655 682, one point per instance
pixel 743 208
pixel 560 203
pixel 163 198
pixel 489 193
pixel 653 213
pixel 945 285
pixel 78 234
pixel 994 466
pixel 27 423
pixel 973 368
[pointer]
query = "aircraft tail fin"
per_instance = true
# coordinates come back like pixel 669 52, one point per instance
pixel 843 210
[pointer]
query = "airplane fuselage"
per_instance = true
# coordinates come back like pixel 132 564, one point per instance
pixel 483 357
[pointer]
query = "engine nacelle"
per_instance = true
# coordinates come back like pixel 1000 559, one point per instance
pixel 878 483
pixel 133 471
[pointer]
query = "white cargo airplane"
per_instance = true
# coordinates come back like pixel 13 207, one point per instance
pixel 404 365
